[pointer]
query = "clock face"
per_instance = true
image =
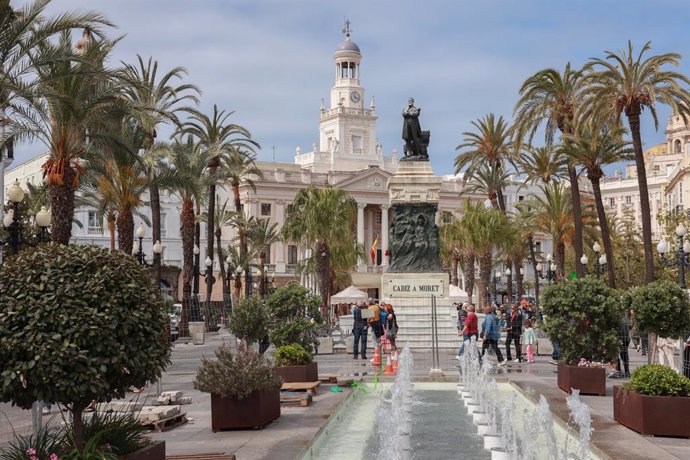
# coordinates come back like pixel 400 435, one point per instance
pixel 355 97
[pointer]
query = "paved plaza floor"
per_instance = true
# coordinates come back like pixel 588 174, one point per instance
pixel 286 437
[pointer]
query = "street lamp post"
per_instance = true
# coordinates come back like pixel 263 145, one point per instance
pixel 12 221
pixel 497 278
pixel 682 254
pixel 550 274
pixel 138 249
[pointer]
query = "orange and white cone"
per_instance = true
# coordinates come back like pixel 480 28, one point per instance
pixel 376 361
pixel 395 362
pixel 389 367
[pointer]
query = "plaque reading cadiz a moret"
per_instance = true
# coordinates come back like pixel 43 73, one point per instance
pixel 416 287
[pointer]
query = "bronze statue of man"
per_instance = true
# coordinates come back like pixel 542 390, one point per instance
pixel 412 131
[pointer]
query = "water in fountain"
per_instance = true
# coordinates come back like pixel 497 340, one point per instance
pixel 394 439
pixel 580 414
pixel 546 420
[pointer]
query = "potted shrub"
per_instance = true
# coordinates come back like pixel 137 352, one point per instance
pixel 661 308
pixel 584 317
pixel 249 321
pixel 655 402
pixel 244 391
pixel 77 324
pixel 294 317
pixel 294 364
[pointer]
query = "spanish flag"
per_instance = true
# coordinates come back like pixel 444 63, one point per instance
pixel 373 250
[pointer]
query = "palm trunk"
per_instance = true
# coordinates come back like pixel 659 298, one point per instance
pixel 533 261
pixel 221 258
pixel 560 260
pixel 454 271
pixel 577 219
pixel 188 261
pixel 468 269
pixel 509 280
pixel 485 268
pixel 518 282
pixel 501 201
pixel 111 230
pixel 323 256
pixel 197 241
pixel 262 271
pixel 154 195
pixel 62 207
pixel 210 230
pixel 125 230
pixel 634 121
pixel 604 226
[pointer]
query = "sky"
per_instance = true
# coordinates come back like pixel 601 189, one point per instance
pixel 271 61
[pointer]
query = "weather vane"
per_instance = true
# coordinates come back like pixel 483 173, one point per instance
pixel 346 29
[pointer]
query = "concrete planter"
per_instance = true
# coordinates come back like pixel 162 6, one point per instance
pixel 155 451
pixel 652 415
pixel 257 410
pixel 197 331
pixel 306 373
pixel 589 380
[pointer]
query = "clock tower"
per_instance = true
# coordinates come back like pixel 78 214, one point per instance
pixel 347 130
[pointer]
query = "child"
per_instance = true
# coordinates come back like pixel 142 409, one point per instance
pixel 530 339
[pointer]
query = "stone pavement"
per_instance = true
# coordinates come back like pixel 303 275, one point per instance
pixel 286 437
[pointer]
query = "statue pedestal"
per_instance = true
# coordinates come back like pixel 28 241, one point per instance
pixel 408 286
pixel 414 182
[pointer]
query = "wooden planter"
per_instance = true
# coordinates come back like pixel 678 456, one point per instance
pixel 155 451
pixel 257 410
pixel 589 380
pixel 306 373
pixel 652 415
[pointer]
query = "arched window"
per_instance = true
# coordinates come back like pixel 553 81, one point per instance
pixel 677 146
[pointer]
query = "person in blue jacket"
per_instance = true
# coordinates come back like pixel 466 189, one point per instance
pixel 491 334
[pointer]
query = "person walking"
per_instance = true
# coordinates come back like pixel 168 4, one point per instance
pixel 491 334
pixel 686 356
pixel 359 329
pixel 514 332
pixel 624 336
pixel 469 329
pixel 530 339
pixel 375 322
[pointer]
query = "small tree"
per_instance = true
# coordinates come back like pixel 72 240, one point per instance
pixel 249 320
pixel 294 313
pixel 77 324
pixel 662 308
pixel 584 317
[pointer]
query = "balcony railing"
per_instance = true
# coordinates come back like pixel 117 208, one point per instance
pixel 173 263
pixel 94 230
pixel 290 268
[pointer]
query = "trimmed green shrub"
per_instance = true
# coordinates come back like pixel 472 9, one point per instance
pixel 294 316
pixel 292 355
pixel 249 320
pixel 659 380
pixel 236 376
pixel 77 324
pixel 663 308
pixel 584 317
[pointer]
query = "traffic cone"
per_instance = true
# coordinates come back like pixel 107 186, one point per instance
pixel 395 362
pixel 376 361
pixel 389 367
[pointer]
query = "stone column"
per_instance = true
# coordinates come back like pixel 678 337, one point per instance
pixel 384 235
pixel 369 235
pixel 360 230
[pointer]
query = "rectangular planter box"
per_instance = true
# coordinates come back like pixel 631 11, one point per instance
pixel 155 451
pixel 589 380
pixel 652 415
pixel 306 373
pixel 257 410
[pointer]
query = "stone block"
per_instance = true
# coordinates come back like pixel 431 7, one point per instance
pixel 184 400
pixel 149 414
pixel 119 406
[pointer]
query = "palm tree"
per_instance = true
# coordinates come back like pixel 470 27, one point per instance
pixel 219 138
pixel 553 216
pixel 542 164
pixel 625 83
pixel 261 236
pixel 223 218
pixel 489 179
pixel 156 101
pixel 76 109
pixel 525 220
pixel 594 149
pixel 489 146
pixel 554 98
pixel 189 162
pixel 320 219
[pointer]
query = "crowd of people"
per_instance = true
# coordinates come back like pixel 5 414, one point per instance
pixel 382 320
